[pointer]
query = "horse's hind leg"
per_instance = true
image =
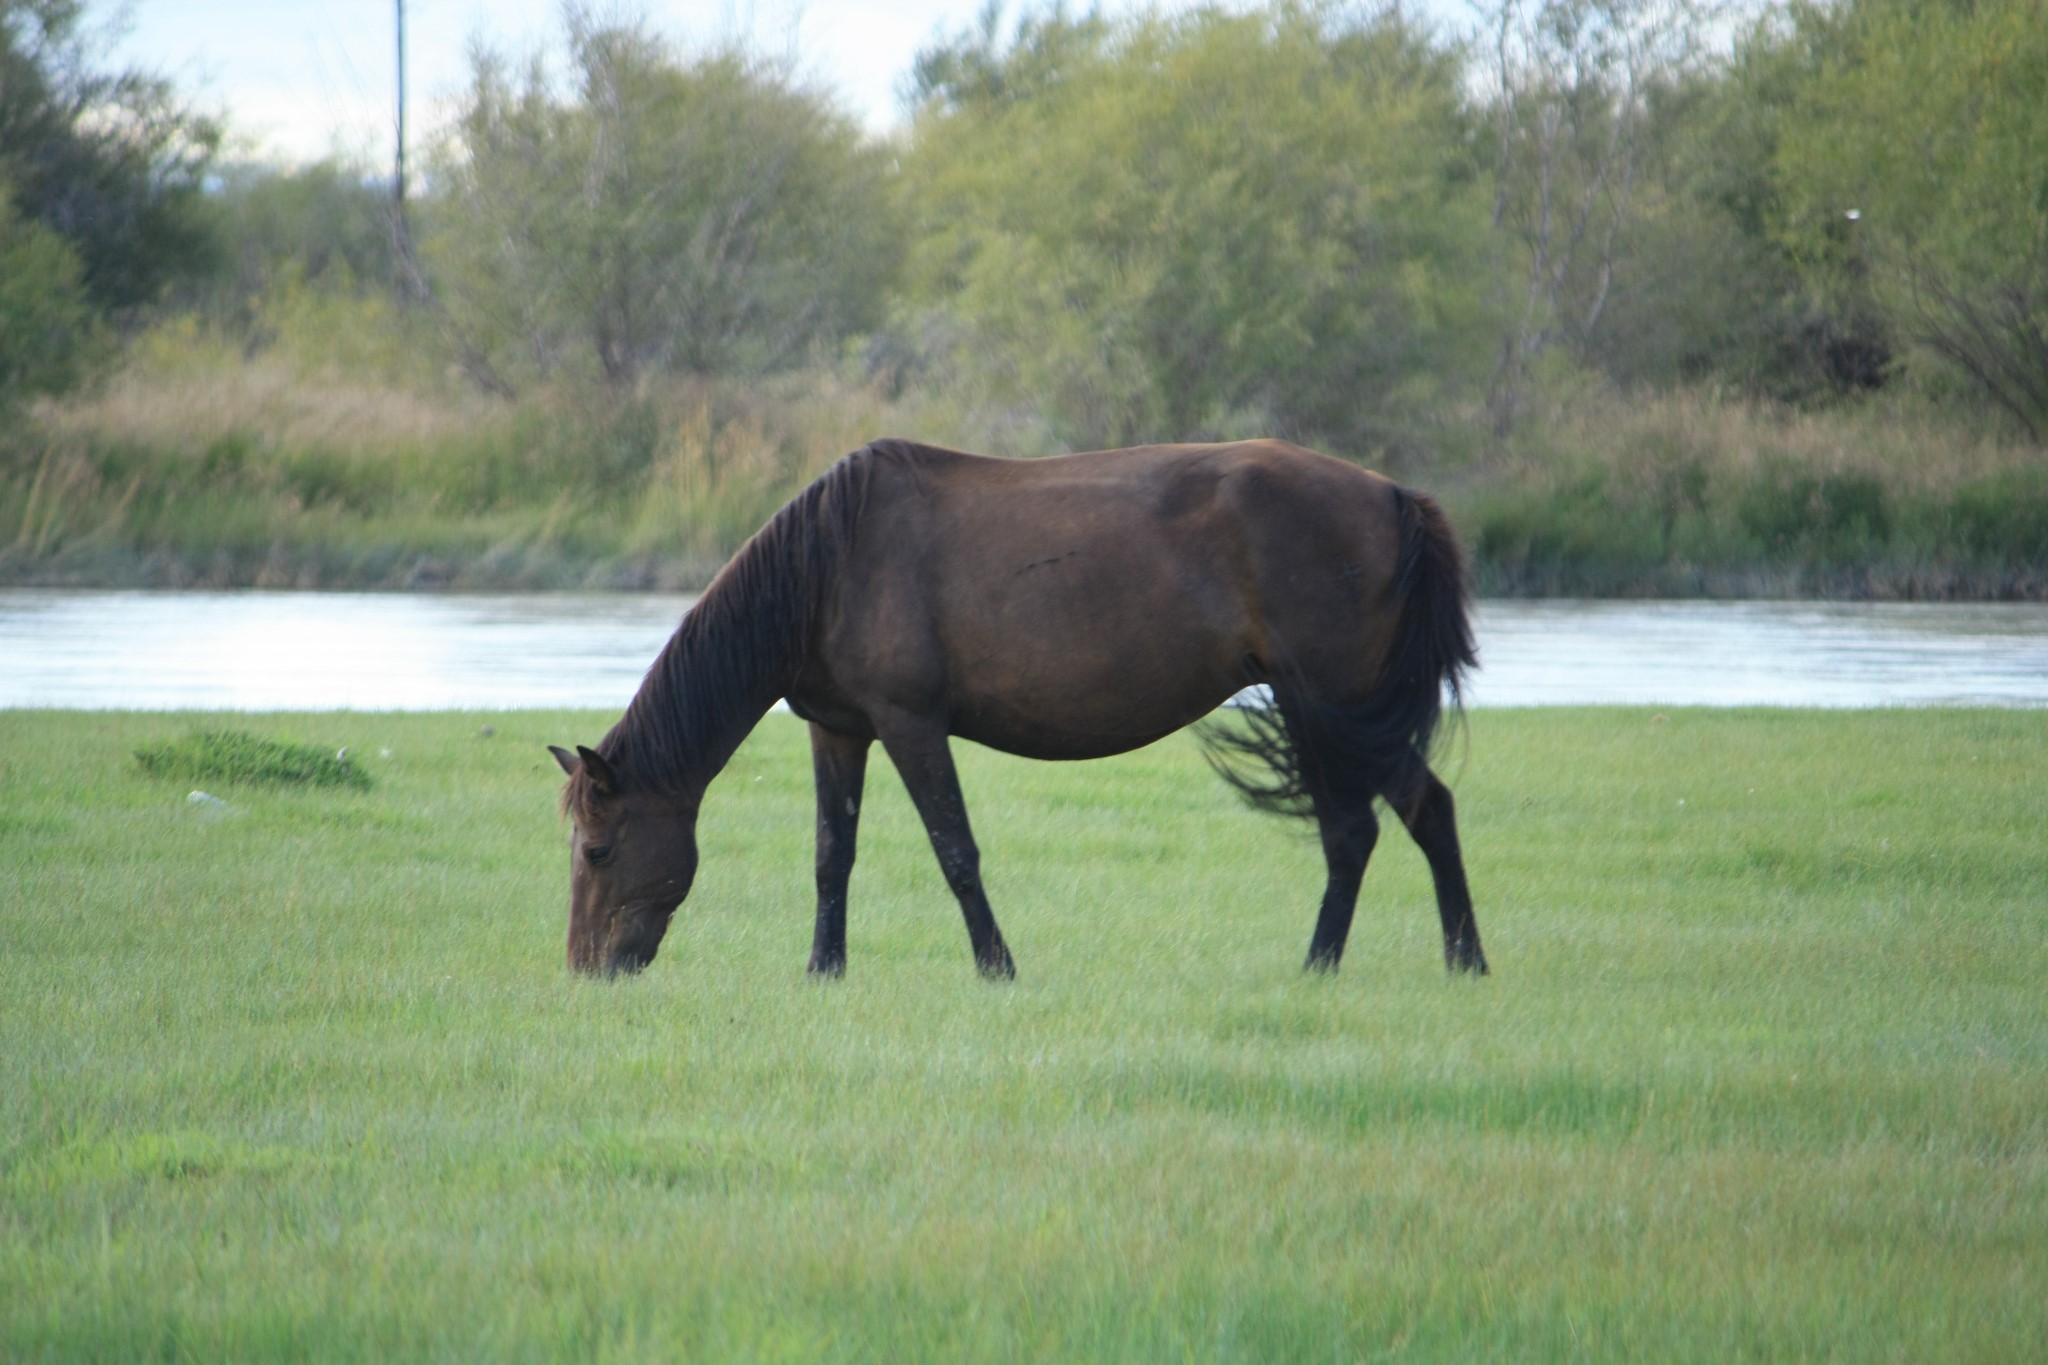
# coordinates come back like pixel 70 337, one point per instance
pixel 839 764
pixel 1426 808
pixel 926 764
pixel 1349 830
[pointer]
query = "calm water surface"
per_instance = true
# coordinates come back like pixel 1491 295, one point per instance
pixel 379 651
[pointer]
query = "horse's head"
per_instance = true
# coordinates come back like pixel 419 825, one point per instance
pixel 632 856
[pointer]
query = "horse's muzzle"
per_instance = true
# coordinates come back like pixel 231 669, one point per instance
pixel 631 948
pixel 629 961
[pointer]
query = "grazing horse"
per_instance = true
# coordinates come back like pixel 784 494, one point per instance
pixel 1069 607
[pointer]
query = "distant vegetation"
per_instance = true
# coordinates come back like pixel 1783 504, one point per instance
pixel 1658 304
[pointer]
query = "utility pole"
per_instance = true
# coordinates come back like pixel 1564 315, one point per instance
pixel 411 284
pixel 398 180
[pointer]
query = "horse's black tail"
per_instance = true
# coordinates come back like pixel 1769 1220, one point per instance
pixel 1303 751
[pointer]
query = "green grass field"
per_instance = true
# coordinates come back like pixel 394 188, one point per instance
pixel 1762 1071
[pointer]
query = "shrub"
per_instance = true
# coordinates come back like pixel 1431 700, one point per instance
pixel 1834 516
pixel 237 756
pixel 2002 517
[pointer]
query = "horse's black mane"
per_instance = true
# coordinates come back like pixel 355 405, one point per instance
pixel 740 640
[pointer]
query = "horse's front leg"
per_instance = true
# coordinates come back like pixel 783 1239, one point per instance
pixel 839 763
pixel 921 755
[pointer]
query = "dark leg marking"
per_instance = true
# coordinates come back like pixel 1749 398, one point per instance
pixel 839 766
pixel 1427 808
pixel 926 763
pixel 1349 834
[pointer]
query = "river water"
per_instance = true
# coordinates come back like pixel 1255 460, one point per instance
pixel 377 651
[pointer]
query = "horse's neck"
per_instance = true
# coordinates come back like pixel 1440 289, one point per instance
pixel 719 735
pixel 711 686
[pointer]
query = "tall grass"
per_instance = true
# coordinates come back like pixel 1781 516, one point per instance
pixel 320 463
pixel 1762 1071
pixel 317 462
pixel 1686 493
pixel 555 491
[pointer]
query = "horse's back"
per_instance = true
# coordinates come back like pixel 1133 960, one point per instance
pixel 1291 551
pixel 1279 500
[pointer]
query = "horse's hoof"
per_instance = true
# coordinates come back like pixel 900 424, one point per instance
pixel 1471 963
pixel 828 970
pixel 998 968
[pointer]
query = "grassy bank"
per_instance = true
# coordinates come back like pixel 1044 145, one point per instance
pixel 193 469
pixel 1762 1073
pixel 1688 494
pixel 261 475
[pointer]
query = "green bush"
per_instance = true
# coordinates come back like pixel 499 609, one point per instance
pixel 1832 517
pixel 2002 517
pixel 237 756
pixel 49 337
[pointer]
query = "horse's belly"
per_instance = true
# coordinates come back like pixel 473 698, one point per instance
pixel 1061 739
pixel 1050 711
pixel 1081 659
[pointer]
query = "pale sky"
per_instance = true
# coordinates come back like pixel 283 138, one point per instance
pixel 304 80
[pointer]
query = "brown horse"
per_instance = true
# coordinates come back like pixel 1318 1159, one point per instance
pixel 1070 607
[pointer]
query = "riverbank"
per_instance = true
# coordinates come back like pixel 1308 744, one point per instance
pixel 266 476
pixel 468 558
pixel 302 1074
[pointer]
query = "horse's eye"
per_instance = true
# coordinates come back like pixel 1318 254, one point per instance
pixel 597 853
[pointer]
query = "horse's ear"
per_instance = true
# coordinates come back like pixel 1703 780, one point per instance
pixel 565 758
pixel 601 775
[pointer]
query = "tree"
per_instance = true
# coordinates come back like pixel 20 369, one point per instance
pixel 1570 89
pixel 703 216
pixel 1206 224
pixel 322 223
pixel 112 162
pixel 48 332
pixel 1919 158
pixel 1707 288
